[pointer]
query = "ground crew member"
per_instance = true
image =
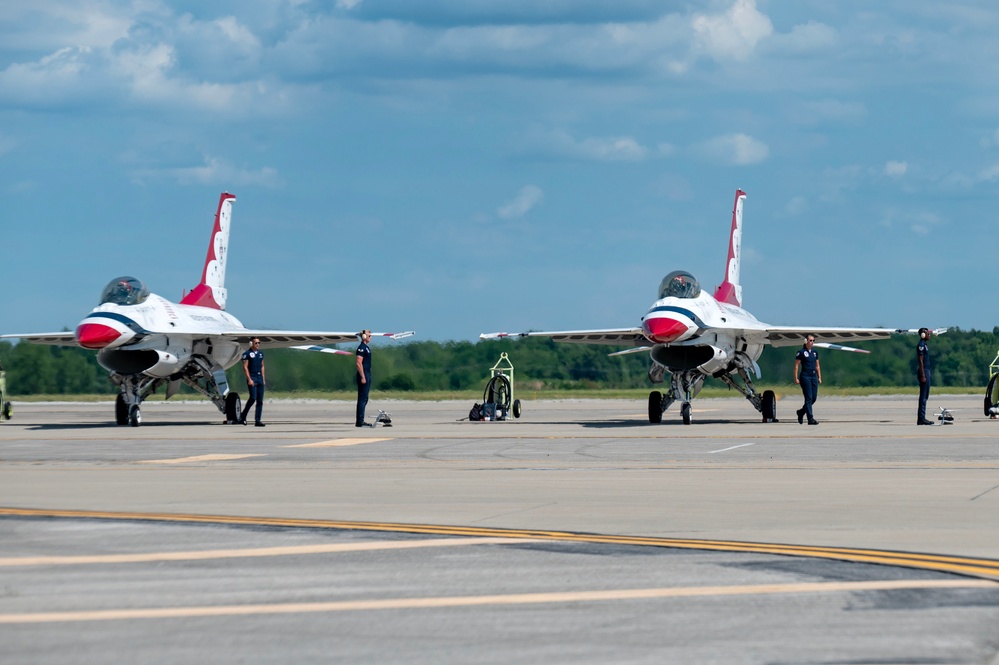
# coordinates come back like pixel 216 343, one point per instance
pixel 923 374
pixel 363 378
pixel 253 368
pixel 810 377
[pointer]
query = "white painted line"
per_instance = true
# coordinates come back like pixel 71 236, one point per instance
pixel 200 458
pixel 335 443
pixel 741 445
pixel 290 550
pixel 473 601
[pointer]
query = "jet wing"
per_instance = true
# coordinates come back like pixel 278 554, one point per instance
pixel 65 338
pixel 274 339
pixel 615 336
pixel 790 336
pixel 323 349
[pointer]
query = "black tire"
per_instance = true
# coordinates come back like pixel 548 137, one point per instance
pixel 685 413
pixel 516 408
pixel 233 408
pixel 134 416
pixel 769 406
pixel 990 395
pixel 8 410
pixel 655 407
pixel 120 410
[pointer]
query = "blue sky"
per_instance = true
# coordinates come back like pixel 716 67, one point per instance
pixel 463 166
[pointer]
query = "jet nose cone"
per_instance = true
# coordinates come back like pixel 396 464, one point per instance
pixel 664 330
pixel 95 335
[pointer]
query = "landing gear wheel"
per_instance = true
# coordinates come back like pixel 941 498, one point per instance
pixel 233 408
pixel 134 416
pixel 516 408
pixel 991 396
pixel 120 411
pixel 685 413
pixel 655 407
pixel 769 406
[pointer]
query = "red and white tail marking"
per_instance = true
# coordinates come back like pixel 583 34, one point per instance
pixel 730 290
pixel 211 291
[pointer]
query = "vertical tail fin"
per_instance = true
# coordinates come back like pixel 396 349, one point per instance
pixel 211 291
pixel 730 290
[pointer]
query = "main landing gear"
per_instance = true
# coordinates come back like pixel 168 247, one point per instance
pixel 686 384
pixel 201 374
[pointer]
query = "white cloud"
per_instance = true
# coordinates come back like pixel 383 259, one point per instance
pixel 991 141
pixel 6 144
pixel 528 197
pixel 666 149
pixel 896 169
pixel 923 223
pixel 734 34
pixel 989 174
pixel 70 72
pixel 805 38
pixel 826 110
pixel 214 171
pixel 601 149
pixel 796 206
pixel 735 149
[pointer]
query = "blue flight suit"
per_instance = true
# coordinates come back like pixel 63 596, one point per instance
pixel 923 353
pixel 809 379
pixel 255 367
pixel 364 353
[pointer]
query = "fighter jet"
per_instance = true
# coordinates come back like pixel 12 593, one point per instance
pixel 146 341
pixel 690 335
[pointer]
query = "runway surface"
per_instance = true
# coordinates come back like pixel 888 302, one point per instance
pixel 578 533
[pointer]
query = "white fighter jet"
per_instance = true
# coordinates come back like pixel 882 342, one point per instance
pixel 692 335
pixel 145 341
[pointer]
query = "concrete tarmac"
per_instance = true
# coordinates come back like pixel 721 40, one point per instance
pixel 866 478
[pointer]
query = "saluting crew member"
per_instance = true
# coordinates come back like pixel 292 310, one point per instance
pixel 923 374
pixel 363 377
pixel 810 377
pixel 253 368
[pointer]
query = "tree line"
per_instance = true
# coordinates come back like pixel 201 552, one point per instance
pixel 960 359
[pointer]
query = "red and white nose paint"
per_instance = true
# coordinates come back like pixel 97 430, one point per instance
pixel 666 327
pixel 100 333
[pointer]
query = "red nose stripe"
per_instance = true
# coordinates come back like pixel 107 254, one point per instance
pixel 664 330
pixel 95 335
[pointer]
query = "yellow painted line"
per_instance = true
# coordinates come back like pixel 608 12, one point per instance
pixel 200 458
pixel 498 599
pixel 953 564
pixel 197 555
pixel 335 443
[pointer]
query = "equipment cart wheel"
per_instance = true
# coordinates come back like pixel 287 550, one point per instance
pixel 655 407
pixel 516 408
pixel 991 397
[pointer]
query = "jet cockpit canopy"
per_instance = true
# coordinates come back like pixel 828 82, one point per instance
pixel 679 284
pixel 124 291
